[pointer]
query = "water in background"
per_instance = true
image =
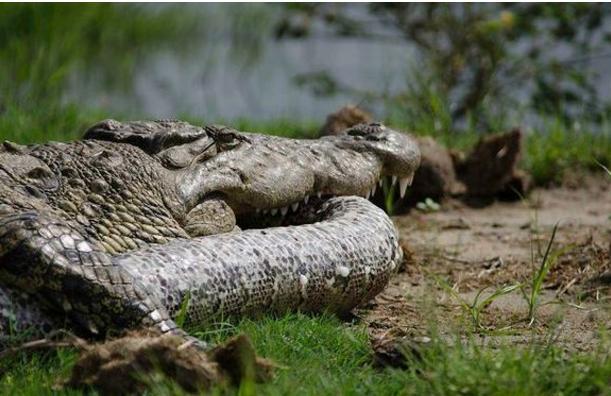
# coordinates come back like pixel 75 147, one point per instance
pixel 211 84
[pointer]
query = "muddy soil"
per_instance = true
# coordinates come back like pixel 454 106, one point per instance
pixel 469 250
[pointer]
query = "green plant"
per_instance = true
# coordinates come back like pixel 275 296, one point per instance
pixel 389 197
pixel 532 296
pixel 181 316
pixel 481 60
pixel 323 356
pixel 604 168
pixel 476 307
pixel 43 45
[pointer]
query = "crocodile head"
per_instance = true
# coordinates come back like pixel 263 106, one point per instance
pixel 256 173
pixel 220 173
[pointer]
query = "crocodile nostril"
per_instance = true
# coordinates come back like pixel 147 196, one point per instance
pixel 365 129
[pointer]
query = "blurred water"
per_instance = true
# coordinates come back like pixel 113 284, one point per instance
pixel 210 83
pixel 218 88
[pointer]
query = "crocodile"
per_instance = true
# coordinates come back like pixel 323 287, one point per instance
pixel 142 221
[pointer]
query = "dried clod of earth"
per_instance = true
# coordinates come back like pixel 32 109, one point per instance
pixel 344 118
pixel 435 178
pixel 491 166
pixel 395 349
pixel 131 364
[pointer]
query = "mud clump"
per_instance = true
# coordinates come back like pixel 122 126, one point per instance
pixel 344 118
pixel 131 364
pixel 491 166
pixel 435 178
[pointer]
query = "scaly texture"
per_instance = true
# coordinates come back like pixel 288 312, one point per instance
pixel 334 264
pixel 102 235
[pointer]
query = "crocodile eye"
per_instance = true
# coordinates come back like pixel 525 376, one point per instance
pixel 225 138
pixel 227 141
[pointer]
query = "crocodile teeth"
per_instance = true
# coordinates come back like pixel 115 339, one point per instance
pixel 394 180
pixel 319 194
pixel 295 206
pixel 305 200
pixel 381 182
pixel 264 211
pixel 274 211
pixel 367 195
pixel 411 178
pixel 373 189
pixel 284 210
pixel 403 183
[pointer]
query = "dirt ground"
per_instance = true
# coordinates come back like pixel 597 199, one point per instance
pixel 458 251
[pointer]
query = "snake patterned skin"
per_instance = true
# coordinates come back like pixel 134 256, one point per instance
pixel 341 260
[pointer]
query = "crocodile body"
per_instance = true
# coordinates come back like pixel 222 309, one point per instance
pixel 118 230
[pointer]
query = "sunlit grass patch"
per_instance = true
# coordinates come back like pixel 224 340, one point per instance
pixel 321 355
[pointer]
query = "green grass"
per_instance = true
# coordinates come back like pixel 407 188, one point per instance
pixel 322 356
pixel 43 124
pixel 551 152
